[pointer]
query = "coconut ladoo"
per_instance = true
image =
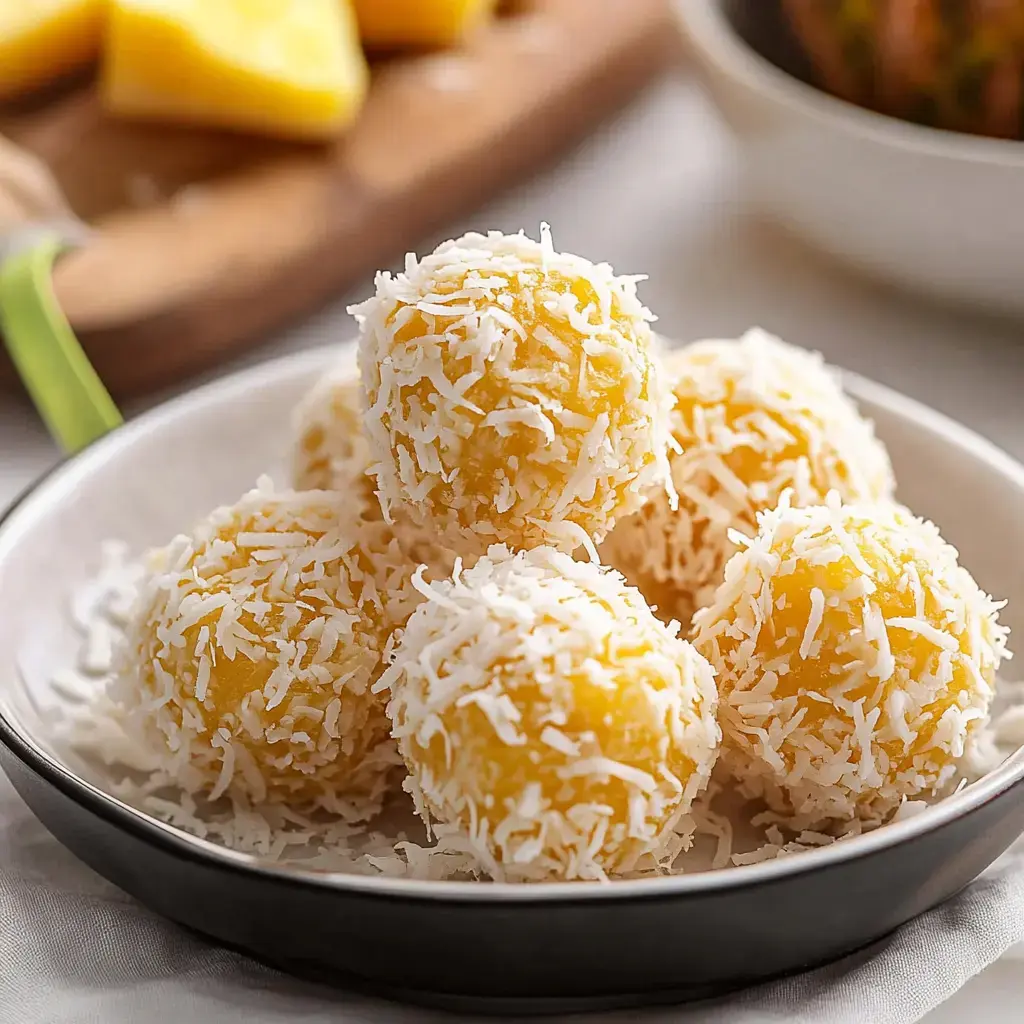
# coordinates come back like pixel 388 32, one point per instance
pixel 253 649
pixel 854 656
pixel 513 395
pixel 544 711
pixel 752 418
pixel 329 452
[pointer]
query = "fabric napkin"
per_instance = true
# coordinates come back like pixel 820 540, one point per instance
pixel 75 950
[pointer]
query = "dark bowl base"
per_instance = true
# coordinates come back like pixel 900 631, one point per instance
pixel 514 1006
pixel 499 1006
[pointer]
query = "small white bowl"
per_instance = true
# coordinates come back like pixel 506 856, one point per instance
pixel 938 212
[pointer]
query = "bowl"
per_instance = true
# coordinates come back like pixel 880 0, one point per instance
pixel 917 207
pixel 470 945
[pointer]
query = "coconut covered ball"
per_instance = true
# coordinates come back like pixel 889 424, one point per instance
pixel 253 650
pixel 545 712
pixel 752 418
pixel 513 394
pixel 329 451
pixel 854 659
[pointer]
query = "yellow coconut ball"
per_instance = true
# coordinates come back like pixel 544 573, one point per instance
pixel 854 658
pixel 513 392
pixel 253 649
pixel 329 451
pixel 543 710
pixel 752 418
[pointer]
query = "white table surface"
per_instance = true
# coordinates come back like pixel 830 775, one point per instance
pixel 655 193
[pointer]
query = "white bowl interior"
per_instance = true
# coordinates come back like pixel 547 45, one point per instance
pixel 159 474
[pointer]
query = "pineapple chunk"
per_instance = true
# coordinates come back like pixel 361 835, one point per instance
pixel 395 23
pixel 40 40
pixel 290 68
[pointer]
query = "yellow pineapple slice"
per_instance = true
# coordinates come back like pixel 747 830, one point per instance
pixel 40 40
pixel 290 68
pixel 415 23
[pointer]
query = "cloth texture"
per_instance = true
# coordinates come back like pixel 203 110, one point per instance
pixel 75 950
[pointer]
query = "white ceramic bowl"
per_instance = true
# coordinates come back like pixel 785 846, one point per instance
pixel 464 944
pixel 941 213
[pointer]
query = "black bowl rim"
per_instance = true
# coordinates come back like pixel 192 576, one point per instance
pixel 182 844
pixel 717 42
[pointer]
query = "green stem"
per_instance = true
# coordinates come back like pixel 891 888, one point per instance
pixel 67 391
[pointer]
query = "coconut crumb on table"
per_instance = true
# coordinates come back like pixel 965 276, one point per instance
pixel 533 33
pixel 190 200
pixel 142 190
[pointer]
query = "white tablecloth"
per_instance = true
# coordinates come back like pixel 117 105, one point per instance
pixel 653 193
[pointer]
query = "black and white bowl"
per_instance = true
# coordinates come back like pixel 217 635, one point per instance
pixel 465 944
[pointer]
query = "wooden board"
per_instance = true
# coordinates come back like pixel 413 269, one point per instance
pixel 204 241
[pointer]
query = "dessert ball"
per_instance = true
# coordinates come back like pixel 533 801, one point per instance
pixel 513 394
pixel 752 418
pixel 854 658
pixel 329 451
pixel 253 650
pixel 543 710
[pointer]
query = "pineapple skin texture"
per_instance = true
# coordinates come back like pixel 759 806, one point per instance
pixel 190 62
pixel 957 66
pixel 419 23
pixel 42 42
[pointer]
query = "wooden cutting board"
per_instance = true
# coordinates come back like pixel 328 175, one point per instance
pixel 205 241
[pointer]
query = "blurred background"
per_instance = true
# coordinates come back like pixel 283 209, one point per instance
pixel 244 166
pixel 845 173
